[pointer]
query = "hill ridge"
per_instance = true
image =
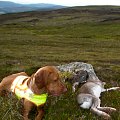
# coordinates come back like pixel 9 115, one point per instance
pixel 11 7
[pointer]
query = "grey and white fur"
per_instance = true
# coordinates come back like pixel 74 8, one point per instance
pixel 88 97
pixel 89 93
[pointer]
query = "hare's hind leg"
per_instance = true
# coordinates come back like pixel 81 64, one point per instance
pixel 95 108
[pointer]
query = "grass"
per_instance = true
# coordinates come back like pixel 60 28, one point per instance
pixel 34 39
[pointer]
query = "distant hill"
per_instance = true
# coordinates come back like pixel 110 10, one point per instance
pixel 71 15
pixel 11 7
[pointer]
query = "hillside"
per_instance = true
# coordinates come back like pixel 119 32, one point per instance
pixel 11 7
pixel 89 34
pixel 72 15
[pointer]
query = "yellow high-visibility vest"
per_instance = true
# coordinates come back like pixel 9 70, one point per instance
pixel 22 91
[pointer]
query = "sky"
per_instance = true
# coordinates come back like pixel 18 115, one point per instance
pixel 70 2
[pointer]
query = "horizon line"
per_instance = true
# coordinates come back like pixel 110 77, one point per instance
pixel 60 4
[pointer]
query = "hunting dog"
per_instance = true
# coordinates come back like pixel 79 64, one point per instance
pixel 33 90
pixel 88 97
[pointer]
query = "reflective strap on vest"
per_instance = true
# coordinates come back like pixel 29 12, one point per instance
pixel 17 82
pixel 36 99
pixel 22 91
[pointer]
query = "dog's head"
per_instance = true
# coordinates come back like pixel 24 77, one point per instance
pixel 48 77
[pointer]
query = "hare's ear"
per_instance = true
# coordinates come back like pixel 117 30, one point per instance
pixel 40 78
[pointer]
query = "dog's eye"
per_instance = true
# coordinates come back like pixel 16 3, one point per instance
pixel 55 80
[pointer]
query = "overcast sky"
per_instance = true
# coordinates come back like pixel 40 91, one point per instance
pixel 70 2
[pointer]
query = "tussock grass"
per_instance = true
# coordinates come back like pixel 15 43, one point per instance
pixel 35 39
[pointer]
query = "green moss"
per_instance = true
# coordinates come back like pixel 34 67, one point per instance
pixel 65 75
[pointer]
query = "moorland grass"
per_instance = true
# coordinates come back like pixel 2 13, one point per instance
pixel 34 39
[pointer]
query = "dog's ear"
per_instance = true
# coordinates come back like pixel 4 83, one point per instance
pixel 40 78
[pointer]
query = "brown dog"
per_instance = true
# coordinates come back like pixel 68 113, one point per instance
pixel 45 80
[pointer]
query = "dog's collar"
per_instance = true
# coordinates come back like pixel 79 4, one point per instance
pixel 20 88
